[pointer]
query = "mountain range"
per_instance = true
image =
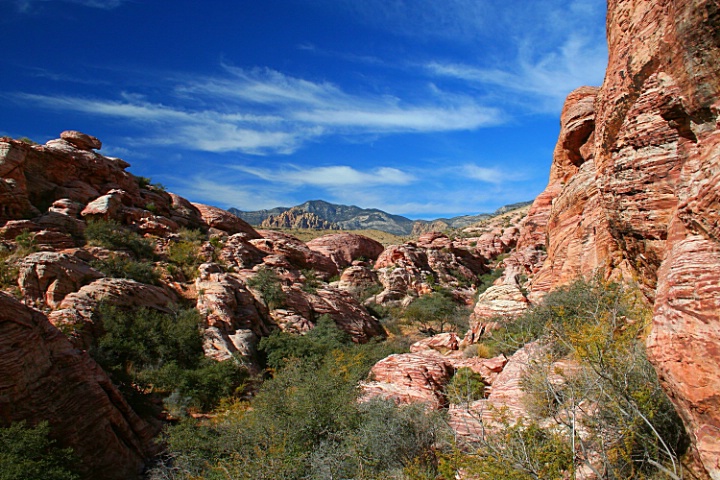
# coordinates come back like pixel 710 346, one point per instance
pixel 323 215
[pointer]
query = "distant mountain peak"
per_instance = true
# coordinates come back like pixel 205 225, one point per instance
pixel 323 215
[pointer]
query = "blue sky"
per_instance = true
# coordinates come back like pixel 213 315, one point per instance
pixel 423 108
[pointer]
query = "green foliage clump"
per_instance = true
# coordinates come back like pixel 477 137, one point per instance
pixel 267 282
pixel 600 326
pixel 10 257
pixel 185 252
pixel 434 312
pixel 110 234
pixel 486 280
pixel 311 283
pixel 145 349
pixel 306 422
pixel 120 266
pixel 28 141
pixel 146 182
pixel 465 387
pixel 28 453
pixel 519 451
pixel 25 244
pixel 280 347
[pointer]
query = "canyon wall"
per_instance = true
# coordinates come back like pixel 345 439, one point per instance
pixel 634 193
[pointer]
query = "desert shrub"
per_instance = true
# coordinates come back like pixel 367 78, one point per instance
pixel 110 234
pixel 28 453
pixel 143 182
pixel 25 244
pixel 634 429
pixel 466 386
pixel 311 283
pixel 28 141
pixel 8 269
pixel 185 252
pixel 280 347
pixel 267 282
pixel 120 266
pixel 434 312
pixel 519 451
pixel 145 348
pixel 306 422
pixel 486 280
pixel 201 387
pixel 477 350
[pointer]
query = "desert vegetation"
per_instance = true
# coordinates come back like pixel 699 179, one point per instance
pixel 606 413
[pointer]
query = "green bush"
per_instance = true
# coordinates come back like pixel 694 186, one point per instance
pixel 267 282
pixel 519 451
pixel 110 234
pixel 28 453
pixel 311 283
pixel 119 266
pixel 25 244
pixel 486 280
pixel 434 312
pixel 280 347
pixel 465 387
pixel 601 326
pixel 185 252
pixel 144 348
pixel 306 422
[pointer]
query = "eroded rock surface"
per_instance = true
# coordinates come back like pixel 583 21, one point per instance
pixel 45 377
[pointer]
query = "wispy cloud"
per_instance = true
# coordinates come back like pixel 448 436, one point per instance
pixel 26 6
pixel 333 177
pixel 551 75
pixel 262 111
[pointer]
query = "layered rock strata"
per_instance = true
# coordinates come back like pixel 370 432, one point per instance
pixel 634 193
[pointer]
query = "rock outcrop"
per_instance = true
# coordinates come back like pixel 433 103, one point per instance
pixel 298 219
pixel 634 192
pixel 344 248
pixel 45 377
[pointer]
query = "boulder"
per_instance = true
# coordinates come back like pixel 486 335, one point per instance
pixel 46 278
pixel 81 140
pixel 223 220
pixel 344 248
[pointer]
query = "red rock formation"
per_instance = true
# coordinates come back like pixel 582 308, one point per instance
pixel 76 309
pixel 295 251
pixel 81 140
pixel 45 278
pixel 225 221
pixel 344 248
pixel 639 195
pixel 45 378
pixel 413 268
pixel 409 378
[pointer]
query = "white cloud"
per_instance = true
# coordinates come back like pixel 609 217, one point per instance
pixel 332 177
pixel 550 76
pixel 262 111
pixel 225 194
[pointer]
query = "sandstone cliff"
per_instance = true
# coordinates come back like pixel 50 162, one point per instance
pixel 634 191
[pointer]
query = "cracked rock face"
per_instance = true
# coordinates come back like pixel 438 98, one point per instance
pixel 43 374
pixel 635 192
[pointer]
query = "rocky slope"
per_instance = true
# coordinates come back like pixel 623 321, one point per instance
pixel 51 196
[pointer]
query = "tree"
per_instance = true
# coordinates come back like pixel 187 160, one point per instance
pixel 28 453
pixel 433 312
